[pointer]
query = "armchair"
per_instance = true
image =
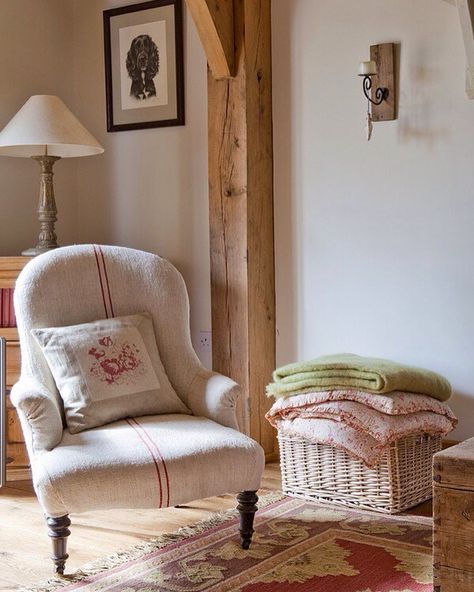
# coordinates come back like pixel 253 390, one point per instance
pixel 143 462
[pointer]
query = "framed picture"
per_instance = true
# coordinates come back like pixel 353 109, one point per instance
pixel 144 74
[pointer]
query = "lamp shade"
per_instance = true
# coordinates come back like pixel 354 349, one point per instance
pixel 44 125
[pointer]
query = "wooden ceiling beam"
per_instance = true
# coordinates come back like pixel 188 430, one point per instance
pixel 214 21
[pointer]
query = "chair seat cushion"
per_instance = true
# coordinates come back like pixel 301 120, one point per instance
pixel 153 461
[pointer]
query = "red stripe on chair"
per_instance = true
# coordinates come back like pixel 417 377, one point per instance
pixel 106 277
pixel 101 282
pixel 155 445
pixel 150 450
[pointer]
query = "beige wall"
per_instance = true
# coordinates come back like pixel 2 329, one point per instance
pixel 36 58
pixel 375 240
pixel 149 189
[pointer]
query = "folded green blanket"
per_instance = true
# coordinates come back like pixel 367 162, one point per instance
pixel 349 371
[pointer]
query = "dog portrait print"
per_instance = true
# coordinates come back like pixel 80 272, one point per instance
pixel 143 64
pixel 143 67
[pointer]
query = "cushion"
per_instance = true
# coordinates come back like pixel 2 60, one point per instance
pixel 107 370
pixel 148 462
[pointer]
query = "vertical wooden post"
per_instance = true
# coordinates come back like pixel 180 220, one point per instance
pixel 241 217
pixel 241 201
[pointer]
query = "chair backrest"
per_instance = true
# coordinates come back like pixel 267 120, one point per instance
pixel 84 283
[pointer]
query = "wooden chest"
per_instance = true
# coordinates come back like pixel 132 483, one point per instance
pixel 17 457
pixel 453 513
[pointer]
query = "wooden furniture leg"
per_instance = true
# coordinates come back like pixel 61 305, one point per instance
pixel 247 507
pixel 58 531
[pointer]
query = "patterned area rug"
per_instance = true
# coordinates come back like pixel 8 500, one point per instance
pixel 298 546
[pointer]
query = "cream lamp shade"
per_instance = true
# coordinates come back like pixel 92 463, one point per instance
pixel 44 125
pixel 46 130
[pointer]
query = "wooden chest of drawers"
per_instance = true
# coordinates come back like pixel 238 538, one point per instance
pixel 453 513
pixel 17 457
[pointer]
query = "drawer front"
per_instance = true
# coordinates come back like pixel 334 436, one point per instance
pixel 453 541
pixel 17 457
pixel 13 362
pixel 452 580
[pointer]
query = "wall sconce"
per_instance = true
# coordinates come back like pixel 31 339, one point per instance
pixel 379 84
pixel 367 70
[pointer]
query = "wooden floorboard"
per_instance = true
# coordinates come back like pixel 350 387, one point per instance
pixel 25 547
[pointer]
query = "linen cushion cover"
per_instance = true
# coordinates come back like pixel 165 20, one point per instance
pixel 107 370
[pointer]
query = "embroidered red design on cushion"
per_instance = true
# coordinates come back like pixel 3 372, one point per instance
pixel 116 362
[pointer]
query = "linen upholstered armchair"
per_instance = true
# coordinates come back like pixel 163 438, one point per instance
pixel 191 450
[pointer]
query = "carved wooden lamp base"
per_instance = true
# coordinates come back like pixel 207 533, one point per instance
pixel 47 211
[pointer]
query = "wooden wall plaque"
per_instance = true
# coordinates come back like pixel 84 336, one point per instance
pixel 384 56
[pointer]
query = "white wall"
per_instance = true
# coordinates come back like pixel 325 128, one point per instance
pixel 149 189
pixel 375 241
pixel 36 58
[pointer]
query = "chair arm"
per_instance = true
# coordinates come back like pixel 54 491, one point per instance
pixel 39 411
pixel 213 396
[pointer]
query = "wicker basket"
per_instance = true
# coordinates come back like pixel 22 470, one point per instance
pixel 320 472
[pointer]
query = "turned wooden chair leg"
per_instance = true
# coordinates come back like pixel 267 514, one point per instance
pixel 247 507
pixel 58 531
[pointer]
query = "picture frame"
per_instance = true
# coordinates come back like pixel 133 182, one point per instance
pixel 144 69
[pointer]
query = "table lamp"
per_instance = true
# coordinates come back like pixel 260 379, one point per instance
pixel 45 129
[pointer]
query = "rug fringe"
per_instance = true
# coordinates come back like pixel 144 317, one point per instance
pixel 97 567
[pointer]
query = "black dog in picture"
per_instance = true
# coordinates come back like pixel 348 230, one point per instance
pixel 143 64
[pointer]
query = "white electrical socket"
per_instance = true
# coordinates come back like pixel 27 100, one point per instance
pixel 205 341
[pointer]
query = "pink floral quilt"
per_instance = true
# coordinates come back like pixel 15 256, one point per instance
pixel 362 424
pixel 398 403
